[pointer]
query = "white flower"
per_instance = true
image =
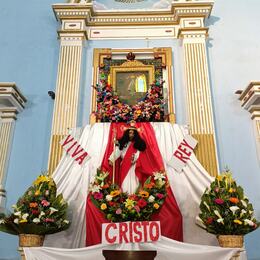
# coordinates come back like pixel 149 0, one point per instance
pixel 16 220
pixel 220 220
pixel 158 176
pixel 14 206
pixel 25 216
pixel 205 203
pixel 234 209
pixel 200 222
pixel 249 222
pixel 41 214
pixel 109 197
pixel 217 214
pixel 2 221
pixel 66 221
pixel 244 203
pixel 151 198
pixel 18 213
pixel 36 220
pixel 53 210
pixel 95 188
pixel 242 212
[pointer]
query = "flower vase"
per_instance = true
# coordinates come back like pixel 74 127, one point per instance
pixel 29 240
pixel 235 241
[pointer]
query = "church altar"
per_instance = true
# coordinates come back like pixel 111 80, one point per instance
pixel 73 180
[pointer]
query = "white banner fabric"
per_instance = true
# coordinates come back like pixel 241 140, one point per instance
pixel 167 249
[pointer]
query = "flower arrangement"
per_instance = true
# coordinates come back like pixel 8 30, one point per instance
pixel 224 208
pixel 39 211
pixel 111 109
pixel 119 206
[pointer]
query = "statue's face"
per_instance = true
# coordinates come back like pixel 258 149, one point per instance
pixel 131 135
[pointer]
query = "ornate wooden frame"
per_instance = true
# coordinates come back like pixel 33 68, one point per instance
pixel 164 53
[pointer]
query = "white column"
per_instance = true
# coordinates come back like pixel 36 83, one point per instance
pixel 11 102
pixel 7 124
pixel 250 100
pixel 65 112
pixel 199 104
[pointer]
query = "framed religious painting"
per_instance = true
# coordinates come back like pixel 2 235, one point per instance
pixel 131 81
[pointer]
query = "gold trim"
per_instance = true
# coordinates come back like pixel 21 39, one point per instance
pixel 55 152
pixel 206 152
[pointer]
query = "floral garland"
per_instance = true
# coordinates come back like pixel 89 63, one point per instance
pixel 111 109
pixel 224 208
pixel 38 211
pixel 119 206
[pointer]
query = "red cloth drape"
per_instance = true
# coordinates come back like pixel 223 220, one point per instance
pixel 148 162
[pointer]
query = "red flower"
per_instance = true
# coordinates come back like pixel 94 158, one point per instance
pixel 111 203
pixel 209 220
pixel 159 195
pixel 141 203
pixel 35 212
pixel 133 197
pixel 219 201
pixel 98 195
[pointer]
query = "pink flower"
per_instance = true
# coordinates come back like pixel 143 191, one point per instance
pixel 118 211
pixel 137 208
pixel 49 220
pixel 98 195
pixel 159 195
pixel 45 203
pixel 219 201
pixel 217 189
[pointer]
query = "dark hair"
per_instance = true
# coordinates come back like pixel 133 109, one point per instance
pixel 139 143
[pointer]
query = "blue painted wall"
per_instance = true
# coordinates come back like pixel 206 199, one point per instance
pixel 235 61
pixel 29 55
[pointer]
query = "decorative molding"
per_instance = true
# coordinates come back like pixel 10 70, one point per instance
pixel 11 103
pixel 111 24
pixel 250 97
pixel 11 96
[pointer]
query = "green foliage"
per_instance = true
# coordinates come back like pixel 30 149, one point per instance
pixel 224 208
pixel 119 206
pixel 39 211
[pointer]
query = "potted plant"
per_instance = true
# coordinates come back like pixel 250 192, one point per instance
pixel 226 212
pixel 38 212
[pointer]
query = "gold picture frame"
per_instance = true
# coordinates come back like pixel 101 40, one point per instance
pixel 131 80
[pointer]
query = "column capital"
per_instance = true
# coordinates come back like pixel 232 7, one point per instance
pixel 250 99
pixel 11 99
pixel 193 33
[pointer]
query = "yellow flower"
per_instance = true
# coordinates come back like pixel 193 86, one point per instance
pixel 231 190
pixel 37 193
pixel 219 177
pixel 41 178
pixel 144 193
pixel 23 221
pixel 103 206
pixel 115 193
pixel 156 205
pixel 129 203
pixel 237 221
